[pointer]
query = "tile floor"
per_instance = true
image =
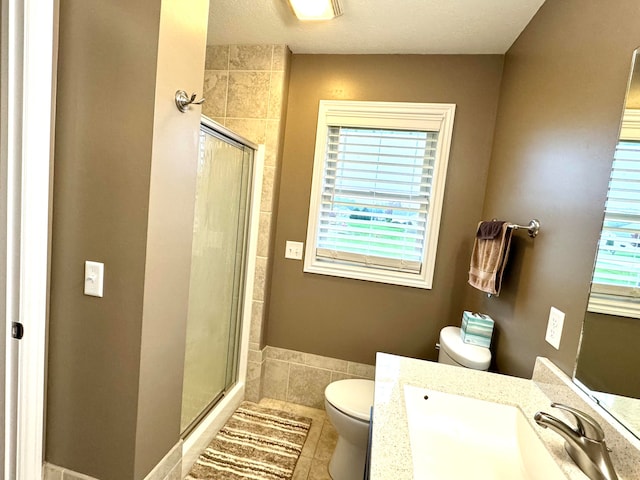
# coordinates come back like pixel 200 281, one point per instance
pixel 314 461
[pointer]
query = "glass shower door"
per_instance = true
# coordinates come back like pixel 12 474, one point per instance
pixel 217 273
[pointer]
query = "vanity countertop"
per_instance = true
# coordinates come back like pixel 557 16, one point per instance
pixel 391 450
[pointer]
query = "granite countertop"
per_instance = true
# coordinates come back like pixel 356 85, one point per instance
pixel 391 450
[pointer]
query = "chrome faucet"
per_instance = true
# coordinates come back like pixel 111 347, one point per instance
pixel 584 444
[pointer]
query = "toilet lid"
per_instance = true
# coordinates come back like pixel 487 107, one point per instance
pixel 471 356
pixel 352 396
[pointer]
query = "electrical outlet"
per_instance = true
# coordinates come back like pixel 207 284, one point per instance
pixel 293 250
pixel 554 327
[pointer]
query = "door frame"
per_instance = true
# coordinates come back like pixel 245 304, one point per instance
pixel 28 71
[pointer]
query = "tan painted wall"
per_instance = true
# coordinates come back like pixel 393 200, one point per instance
pixel 560 106
pixel 180 65
pixel 100 197
pixel 352 319
pixel 115 363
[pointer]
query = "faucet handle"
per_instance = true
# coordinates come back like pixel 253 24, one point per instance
pixel 587 426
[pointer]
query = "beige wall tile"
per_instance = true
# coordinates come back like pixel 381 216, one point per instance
pixel 284 354
pixel 325 362
pixel 335 376
pixel 260 278
pixel 254 346
pixel 248 95
pixel 255 356
pixel 250 57
pixel 254 370
pixel 362 370
pixel 70 475
pixel 307 384
pixel 255 330
pixel 272 142
pixel 276 94
pixel 250 128
pixel 214 91
pixel 266 200
pixel 217 57
pixel 280 53
pixel 263 234
pixel 252 391
pixel 51 472
pixel 276 375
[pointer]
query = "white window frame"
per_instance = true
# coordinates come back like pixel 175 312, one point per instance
pixel 384 115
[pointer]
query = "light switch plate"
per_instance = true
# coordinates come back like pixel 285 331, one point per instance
pixel 554 327
pixel 93 279
pixel 293 250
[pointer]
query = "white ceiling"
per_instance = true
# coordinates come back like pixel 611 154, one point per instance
pixel 376 26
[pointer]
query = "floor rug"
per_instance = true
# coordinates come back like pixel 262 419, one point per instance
pixel 256 443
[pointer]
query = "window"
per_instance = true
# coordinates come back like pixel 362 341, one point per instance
pixel 615 289
pixel 377 190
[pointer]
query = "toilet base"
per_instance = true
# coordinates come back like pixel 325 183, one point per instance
pixel 347 461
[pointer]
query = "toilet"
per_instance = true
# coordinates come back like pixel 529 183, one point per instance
pixel 348 405
pixel 453 351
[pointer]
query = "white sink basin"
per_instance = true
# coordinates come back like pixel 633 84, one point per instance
pixel 454 437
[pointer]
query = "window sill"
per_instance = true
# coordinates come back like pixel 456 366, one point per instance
pixel 370 274
pixel 612 305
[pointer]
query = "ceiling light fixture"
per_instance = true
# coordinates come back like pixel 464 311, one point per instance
pixel 316 9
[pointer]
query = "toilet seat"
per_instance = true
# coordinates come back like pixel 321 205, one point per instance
pixel 353 397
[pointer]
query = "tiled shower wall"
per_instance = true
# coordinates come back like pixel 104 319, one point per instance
pixel 245 89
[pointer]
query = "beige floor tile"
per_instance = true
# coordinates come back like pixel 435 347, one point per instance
pixel 309 448
pixel 302 469
pixel 310 412
pixel 327 442
pixel 319 470
pixel 273 403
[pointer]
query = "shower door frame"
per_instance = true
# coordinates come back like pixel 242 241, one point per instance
pixel 197 437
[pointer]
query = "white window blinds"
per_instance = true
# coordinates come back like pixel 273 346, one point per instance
pixel 379 174
pixel 616 278
pixel 375 196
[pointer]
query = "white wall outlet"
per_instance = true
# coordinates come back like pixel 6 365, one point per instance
pixel 93 279
pixel 554 327
pixel 293 250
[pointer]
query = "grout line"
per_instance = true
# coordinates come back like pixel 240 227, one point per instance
pixel 286 391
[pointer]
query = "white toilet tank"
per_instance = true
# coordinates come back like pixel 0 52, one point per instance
pixel 453 351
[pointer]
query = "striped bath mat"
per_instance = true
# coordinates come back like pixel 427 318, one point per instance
pixel 256 443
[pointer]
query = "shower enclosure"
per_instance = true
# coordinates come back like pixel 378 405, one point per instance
pixel 218 264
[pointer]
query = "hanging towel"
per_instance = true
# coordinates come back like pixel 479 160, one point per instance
pixel 489 257
pixel 489 230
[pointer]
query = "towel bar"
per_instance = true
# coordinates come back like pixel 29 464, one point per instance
pixel 533 228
